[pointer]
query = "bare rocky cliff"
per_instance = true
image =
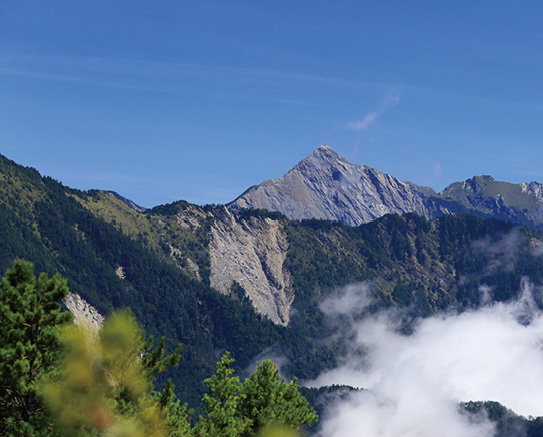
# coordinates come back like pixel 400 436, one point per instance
pixel 252 252
pixel 326 186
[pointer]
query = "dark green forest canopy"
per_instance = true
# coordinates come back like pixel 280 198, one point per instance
pixel 507 423
pixel 411 262
pixel 57 378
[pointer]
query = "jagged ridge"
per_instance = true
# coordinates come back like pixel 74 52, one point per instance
pixel 326 186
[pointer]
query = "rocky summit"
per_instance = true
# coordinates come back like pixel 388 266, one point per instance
pixel 326 186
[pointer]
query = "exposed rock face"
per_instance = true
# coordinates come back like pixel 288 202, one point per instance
pixel 326 186
pixel 483 195
pixel 533 188
pixel 85 315
pixel 190 217
pixel 252 252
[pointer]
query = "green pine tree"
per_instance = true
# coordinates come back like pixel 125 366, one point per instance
pixel 30 320
pixel 263 403
pixel 221 404
pixel 176 417
pixel 269 401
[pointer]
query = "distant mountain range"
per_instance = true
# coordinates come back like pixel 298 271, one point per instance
pixel 326 186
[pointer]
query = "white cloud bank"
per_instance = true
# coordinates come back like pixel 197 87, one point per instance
pixel 415 383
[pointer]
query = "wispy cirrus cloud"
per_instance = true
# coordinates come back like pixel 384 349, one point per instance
pixel 166 76
pixel 389 101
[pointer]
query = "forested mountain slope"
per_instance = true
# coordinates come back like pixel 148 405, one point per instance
pixel 251 280
pixel 46 223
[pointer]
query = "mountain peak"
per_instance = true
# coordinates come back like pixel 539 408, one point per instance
pixel 481 179
pixel 322 158
pixel 327 186
pixel 325 152
pixel 325 148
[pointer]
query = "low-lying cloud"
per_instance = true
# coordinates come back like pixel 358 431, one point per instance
pixel 415 383
pixel 503 253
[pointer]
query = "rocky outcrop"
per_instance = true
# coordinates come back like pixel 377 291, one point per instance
pixel 190 217
pixel 533 188
pixel 326 186
pixel 85 315
pixel 252 252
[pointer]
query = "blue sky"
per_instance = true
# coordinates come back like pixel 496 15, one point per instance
pixel 198 100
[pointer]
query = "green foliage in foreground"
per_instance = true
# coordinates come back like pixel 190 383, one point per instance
pixel 106 386
pixel 114 258
pixel 59 379
pixel 30 320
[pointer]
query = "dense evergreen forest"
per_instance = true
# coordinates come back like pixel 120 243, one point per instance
pixel 57 378
pixel 420 265
pixel 41 221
